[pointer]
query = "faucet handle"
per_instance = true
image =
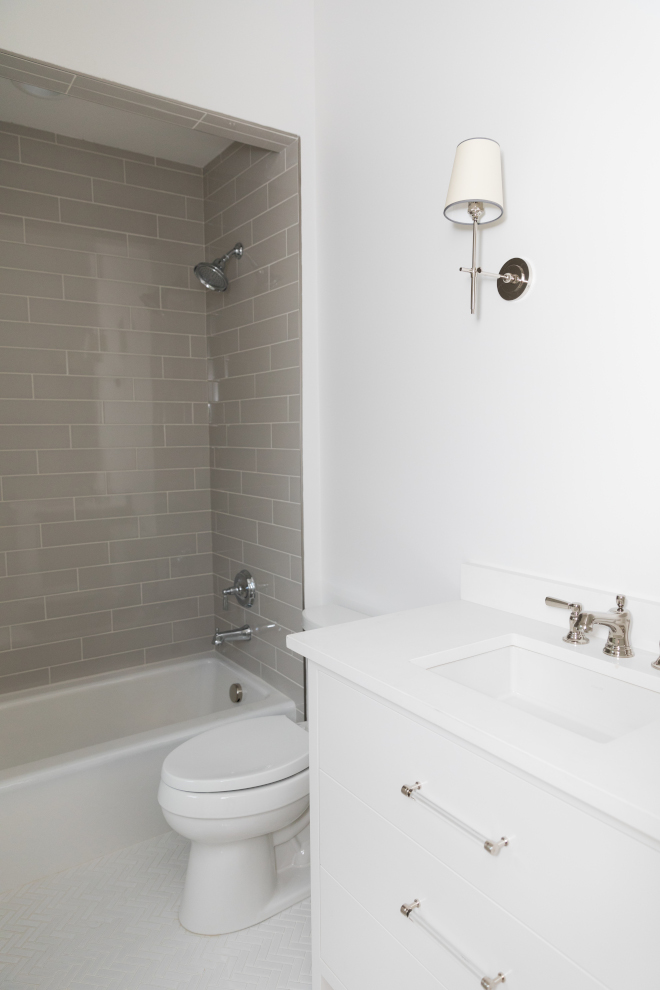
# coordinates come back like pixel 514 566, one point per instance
pixel 574 636
pixel 620 603
pixel 558 603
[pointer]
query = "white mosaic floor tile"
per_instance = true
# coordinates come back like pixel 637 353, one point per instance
pixel 112 925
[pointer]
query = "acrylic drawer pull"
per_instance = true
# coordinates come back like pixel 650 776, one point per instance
pixel 413 914
pixel 491 846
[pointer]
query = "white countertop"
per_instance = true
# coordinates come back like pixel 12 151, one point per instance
pixel 389 654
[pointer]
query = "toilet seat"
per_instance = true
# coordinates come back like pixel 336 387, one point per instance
pixel 235 804
pixel 238 756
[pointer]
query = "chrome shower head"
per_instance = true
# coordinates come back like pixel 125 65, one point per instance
pixel 212 273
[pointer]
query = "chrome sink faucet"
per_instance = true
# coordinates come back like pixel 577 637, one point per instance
pixel 618 621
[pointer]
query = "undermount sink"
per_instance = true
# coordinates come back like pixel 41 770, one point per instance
pixel 594 705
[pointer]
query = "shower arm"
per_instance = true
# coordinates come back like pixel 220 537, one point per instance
pixel 236 250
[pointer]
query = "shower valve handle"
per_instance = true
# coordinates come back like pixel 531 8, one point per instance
pixel 244 591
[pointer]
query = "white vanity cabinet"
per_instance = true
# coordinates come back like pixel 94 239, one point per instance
pixel 569 903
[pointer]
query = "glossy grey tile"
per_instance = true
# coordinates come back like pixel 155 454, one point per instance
pixel 20 437
pixel 112 575
pixel 141 342
pixel 21 681
pixel 277 301
pixel 54 630
pixel 108 217
pixel 136 270
pixel 74 160
pixel 45 259
pixel 160 458
pixel 80 460
pixel 79 602
pixel 84 314
pixel 278 461
pixel 151 615
pixel 283 187
pixel 108 506
pixel 183 587
pixel 13 308
pixel 11 228
pixel 30 360
pixel 78 387
pixel 271 410
pixel 126 641
pixel 21 411
pixel 116 436
pixel 15 387
pixel 189 231
pixel 40 583
pixel 126 482
pixel 9 146
pixel 166 321
pixel 100 665
pixel 61 235
pixel 125 550
pixel 165 179
pixel 46 180
pixel 35 657
pixel 21 283
pixel 89 531
pixel 29 204
pixel 266 486
pixel 112 292
pixel 137 198
pixel 286 435
pixel 36 510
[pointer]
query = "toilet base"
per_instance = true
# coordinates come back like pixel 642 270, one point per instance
pixel 258 881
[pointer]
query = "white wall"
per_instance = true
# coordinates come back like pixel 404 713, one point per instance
pixel 527 437
pixel 252 59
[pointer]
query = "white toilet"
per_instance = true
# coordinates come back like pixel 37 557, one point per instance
pixel 240 793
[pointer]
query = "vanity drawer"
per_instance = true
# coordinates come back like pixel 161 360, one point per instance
pixel 382 869
pixel 360 952
pixel 583 885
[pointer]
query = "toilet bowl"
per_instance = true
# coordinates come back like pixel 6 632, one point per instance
pixel 240 793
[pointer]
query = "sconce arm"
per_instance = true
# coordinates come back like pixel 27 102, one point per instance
pixel 507 277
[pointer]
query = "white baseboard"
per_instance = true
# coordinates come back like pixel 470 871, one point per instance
pixel 524 594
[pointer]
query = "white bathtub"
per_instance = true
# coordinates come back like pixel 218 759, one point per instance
pixel 80 761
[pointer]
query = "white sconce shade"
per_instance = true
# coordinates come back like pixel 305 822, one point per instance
pixel 476 177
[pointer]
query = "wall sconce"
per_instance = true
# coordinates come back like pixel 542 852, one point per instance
pixel 475 188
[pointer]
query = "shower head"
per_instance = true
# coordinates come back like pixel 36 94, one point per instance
pixel 212 273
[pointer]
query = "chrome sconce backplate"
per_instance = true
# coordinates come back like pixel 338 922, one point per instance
pixel 513 288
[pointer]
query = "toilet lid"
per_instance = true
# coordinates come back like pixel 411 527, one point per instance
pixel 248 753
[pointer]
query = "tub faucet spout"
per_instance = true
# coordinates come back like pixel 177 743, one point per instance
pixel 242 634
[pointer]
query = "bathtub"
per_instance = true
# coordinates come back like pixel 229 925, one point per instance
pixel 80 761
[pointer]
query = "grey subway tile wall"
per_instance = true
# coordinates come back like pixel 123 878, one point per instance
pixel 252 196
pixel 105 518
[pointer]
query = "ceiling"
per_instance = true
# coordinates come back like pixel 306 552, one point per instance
pixel 76 118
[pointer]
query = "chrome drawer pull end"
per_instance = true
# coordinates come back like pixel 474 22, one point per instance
pixel 407 908
pixel 487 982
pixel 490 845
pixel 494 847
